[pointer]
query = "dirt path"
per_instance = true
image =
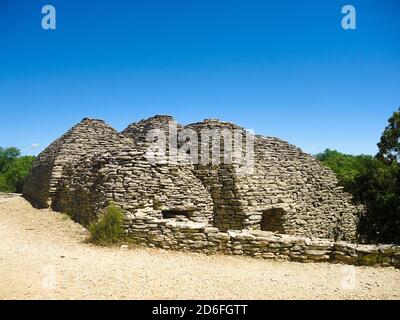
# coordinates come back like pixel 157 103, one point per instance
pixel 43 256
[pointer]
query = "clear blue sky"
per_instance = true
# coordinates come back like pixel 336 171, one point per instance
pixel 283 68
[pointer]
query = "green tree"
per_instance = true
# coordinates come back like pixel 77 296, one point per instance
pixel 378 188
pixel 375 183
pixel 7 156
pixel 13 169
pixel 347 167
pixel 16 173
pixel 389 146
pixel 4 187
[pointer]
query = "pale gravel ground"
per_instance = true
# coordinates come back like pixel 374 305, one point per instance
pixel 43 256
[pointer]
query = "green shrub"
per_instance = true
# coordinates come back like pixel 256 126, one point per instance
pixel 108 229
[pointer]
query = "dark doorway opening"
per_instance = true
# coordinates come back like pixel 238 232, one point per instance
pixel 272 220
pixel 169 214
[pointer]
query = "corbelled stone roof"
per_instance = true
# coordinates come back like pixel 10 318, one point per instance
pixel 289 190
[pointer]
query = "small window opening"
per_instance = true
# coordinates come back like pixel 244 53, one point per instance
pixel 169 214
pixel 272 220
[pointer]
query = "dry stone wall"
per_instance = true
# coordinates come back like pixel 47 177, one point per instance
pixel 89 137
pixel 311 202
pixel 198 237
pixel 122 174
pixel 193 205
pixel 287 185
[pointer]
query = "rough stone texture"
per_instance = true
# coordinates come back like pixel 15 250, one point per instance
pixel 198 237
pixel 88 138
pixel 306 192
pixel 289 191
pixel 92 165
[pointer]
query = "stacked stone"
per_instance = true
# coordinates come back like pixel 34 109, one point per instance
pixel 138 131
pixel 198 237
pixel 285 178
pixel 142 188
pixel 221 178
pixel 94 166
pixel 312 203
pixel 185 206
pixel 89 137
pixel 173 185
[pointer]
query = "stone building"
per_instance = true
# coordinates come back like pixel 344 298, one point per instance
pixel 284 190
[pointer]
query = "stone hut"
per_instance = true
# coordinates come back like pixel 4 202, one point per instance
pixel 89 137
pixel 288 191
pixel 285 191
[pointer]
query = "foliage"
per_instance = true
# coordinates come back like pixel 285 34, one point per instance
pixel 375 183
pixel 13 169
pixel 17 171
pixel 347 167
pixel 7 156
pixel 378 187
pixel 108 229
pixel 389 146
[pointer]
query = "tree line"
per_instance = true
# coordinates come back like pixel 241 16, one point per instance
pixel 374 182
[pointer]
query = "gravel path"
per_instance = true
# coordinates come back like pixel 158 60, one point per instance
pixel 43 255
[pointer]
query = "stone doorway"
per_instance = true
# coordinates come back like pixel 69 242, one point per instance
pixel 272 220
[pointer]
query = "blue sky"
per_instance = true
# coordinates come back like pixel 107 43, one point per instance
pixel 283 68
